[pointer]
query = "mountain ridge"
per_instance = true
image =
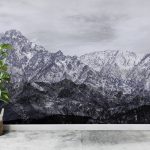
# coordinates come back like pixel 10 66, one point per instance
pixel 113 70
pixel 31 62
pixel 99 86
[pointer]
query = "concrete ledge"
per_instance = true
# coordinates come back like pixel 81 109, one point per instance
pixel 78 127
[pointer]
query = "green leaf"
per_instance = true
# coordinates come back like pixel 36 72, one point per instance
pixel 4 96
pixel 2 62
pixel 4 67
pixel 4 54
pixel 6 76
pixel 6 46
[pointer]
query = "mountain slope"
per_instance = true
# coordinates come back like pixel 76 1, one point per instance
pixel 111 70
pixel 113 62
pixel 40 99
pixel 115 65
pixel 31 63
pixel 139 76
pixel 95 87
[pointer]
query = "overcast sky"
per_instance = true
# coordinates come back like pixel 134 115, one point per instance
pixel 80 26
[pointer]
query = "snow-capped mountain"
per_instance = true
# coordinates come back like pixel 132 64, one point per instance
pixel 140 74
pixel 98 85
pixel 30 63
pixel 111 70
pixel 112 62
pixel 116 65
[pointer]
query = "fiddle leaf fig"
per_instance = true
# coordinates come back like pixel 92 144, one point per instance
pixel 5 46
pixel 5 96
pixel 4 75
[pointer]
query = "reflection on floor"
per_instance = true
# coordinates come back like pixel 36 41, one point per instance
pixel 75 140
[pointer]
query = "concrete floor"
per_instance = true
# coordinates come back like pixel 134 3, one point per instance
pixel 75 140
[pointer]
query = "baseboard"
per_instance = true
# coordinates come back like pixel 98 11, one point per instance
pixel 78 127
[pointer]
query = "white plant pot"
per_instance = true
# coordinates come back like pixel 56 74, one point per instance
pixel 1 121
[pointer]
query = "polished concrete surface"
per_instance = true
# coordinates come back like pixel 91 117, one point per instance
pixel 75 140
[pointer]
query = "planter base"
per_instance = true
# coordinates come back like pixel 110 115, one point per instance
pixel 1 127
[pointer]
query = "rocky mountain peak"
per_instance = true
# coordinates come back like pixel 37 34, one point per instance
pixel 13 32
pixel 107 69
pixel 16 39
pixel 123 59
pixel 14 35
pixel 45 83
pixel 59 53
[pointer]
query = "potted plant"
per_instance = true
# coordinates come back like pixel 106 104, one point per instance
pixel 4 79
pixel 1 121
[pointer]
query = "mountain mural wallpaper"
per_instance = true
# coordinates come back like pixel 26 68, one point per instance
pixel 93 67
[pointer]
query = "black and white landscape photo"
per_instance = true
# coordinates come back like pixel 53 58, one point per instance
pixel 77 61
